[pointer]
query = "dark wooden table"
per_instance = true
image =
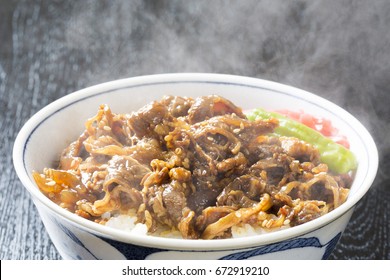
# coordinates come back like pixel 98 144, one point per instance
pixel 336 49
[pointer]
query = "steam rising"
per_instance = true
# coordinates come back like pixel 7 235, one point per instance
pixel 337 49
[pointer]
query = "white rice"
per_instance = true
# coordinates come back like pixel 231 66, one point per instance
pixel 128 224
pixel 249 230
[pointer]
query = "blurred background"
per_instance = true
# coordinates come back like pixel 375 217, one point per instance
pixel 339 50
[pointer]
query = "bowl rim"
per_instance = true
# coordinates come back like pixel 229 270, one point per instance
pixel 182 244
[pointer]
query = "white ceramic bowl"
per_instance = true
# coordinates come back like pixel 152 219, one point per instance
pixel 43 137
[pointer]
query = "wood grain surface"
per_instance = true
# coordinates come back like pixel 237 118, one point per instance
pixel 337 49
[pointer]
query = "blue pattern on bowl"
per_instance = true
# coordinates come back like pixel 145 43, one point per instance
pixel 72 250
pixel 287 245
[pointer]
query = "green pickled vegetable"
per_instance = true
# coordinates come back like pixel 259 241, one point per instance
pixel 338 158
